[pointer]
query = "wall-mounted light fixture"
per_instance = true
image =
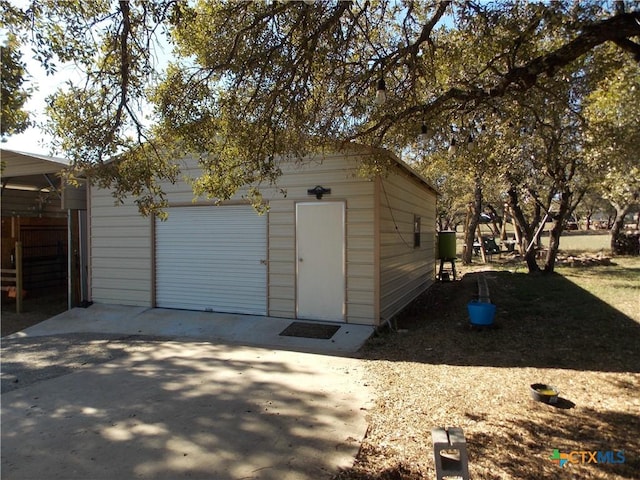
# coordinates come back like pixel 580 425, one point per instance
pixel 319 191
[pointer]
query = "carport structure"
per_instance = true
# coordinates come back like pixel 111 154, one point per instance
pixel 48 217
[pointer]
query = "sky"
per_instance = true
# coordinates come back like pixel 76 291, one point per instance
pixel 33 140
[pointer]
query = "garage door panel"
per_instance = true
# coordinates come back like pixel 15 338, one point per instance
pixel 213 289
pixel 212 258
pixel 204 284
pixel 224 268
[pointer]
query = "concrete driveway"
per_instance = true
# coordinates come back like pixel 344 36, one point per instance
pixel 91 406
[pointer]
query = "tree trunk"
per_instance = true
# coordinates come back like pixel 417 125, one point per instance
pixel 526 230
pixel 554 242
pixel 618 224
pixel 565 210
pixel 536 224
pixel 496 221
pixel 472 225
pixel 556 232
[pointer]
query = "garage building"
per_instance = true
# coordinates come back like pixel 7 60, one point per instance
pixel 354 250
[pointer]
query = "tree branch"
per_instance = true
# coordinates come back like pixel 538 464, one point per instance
pixel 124 78
pixel 616 29
pixel 629 46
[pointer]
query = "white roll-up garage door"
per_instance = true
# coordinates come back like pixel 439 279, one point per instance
pixel 212 258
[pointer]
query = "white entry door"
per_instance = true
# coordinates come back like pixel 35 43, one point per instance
pixel 320 249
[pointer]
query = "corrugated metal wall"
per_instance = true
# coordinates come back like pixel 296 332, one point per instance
pixel 122 267
pixel 44 255
pixel 121 249
pixel 405 270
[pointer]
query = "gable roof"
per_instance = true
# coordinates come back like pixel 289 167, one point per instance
pixel 30 170
pixel 397 160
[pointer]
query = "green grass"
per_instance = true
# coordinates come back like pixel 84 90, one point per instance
pixel 570 242
pixel 616 285
pixel 582 318
pixel 582 242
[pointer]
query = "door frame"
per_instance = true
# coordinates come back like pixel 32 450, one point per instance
pixel 343 205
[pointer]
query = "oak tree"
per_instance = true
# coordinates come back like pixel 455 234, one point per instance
pixel 13 116
pixel 254 84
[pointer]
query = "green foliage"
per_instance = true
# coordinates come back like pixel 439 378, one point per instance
pixel 135 173
pixel 13 118
pixel 254 84
pixel 612 139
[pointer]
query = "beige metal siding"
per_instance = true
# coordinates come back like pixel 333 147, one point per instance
pixel 282 267
pixel 121 240
pixel 405 271
pixel 338 172
pixel 120 247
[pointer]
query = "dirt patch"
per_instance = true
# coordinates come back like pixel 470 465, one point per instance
pixel 435 371
pixel 583 260
pixel 37 306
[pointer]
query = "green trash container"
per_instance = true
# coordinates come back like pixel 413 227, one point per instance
pixel 447 245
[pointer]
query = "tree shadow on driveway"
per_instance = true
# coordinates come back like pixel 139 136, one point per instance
pixel 186 410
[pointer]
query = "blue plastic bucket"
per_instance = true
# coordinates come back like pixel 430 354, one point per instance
pixel 481 313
